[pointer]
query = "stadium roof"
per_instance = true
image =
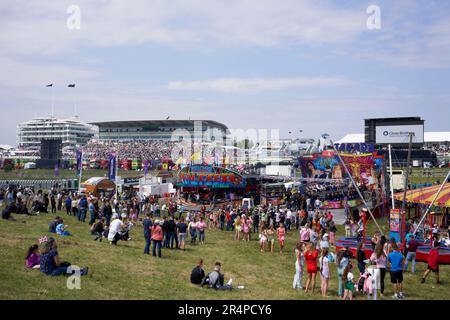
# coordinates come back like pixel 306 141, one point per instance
pixel 135 123
pixel 429 137
pixel 394 118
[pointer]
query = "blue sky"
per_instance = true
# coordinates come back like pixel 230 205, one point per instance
pixel 286 64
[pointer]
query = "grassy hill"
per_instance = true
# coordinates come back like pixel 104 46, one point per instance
pixel 124 272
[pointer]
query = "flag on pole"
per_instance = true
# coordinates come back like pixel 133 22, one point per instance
pixel 112 167
pixel 56 169
pixel 71 85
pixel 79 157
pixel 145 167
pixel 49 85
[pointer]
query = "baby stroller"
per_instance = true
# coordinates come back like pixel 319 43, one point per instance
pixel 367 285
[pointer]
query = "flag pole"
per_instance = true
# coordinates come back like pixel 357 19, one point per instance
pixel 117 172
pixel 74 100
pixel 53 103
pixel 81 172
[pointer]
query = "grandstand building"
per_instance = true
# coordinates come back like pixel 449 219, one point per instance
pixel 158 130
pixel 72 132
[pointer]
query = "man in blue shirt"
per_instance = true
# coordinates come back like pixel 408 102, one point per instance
pixel 395 259
pixel 147 233
pixel 82 209
pixel 92 213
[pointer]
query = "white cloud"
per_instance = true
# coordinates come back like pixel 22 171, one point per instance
pixel 249 85
pixel 40 28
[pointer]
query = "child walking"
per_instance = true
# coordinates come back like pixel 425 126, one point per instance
pixel 349 280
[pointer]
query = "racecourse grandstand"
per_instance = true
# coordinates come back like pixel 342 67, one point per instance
pixel 160 130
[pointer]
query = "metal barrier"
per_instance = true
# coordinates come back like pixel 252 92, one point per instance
pixel 41 184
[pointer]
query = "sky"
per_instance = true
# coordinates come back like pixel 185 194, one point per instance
pixel 290 65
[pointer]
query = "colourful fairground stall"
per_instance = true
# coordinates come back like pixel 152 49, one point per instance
pixel 418 200
pixel 209 184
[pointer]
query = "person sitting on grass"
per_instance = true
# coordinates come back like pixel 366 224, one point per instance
pixel 97 230
pixel 198 274
pixel 32 259
pixel 433 263
pixel 7 212
pixel 215 279
pixel 118 230
pixel 50 263
pixel 52 226
pixel 61 229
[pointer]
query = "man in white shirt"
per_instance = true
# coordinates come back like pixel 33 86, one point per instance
pixel 317 203
pixel 308 204
pixel 288 219
pixel 114 228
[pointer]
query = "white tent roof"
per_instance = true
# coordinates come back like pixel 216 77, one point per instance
pixel 352 138
pixel 437 136
pixel 5 147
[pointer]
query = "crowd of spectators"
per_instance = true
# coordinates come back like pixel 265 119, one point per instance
pixel 141 150
pixel 441 149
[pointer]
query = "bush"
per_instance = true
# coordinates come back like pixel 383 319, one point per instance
pixel 8 168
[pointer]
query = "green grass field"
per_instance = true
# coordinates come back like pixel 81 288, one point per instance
pixel 48 174
pixel 124 272
pixel 420 175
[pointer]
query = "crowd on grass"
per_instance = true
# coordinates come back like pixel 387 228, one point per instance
pixel 167 227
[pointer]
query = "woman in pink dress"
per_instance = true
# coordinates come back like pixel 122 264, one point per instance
pixel 281 233
pixel 246 228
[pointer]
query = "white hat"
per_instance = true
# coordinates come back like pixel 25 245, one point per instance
pixel 124 215
pixel 325 236
pixel 115 216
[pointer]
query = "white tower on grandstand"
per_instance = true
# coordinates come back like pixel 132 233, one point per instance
pixel 72 132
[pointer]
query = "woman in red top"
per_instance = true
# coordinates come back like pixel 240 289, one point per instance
pixel 281 234
pixel 311 256
pixel 433 263
pixel 157 237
